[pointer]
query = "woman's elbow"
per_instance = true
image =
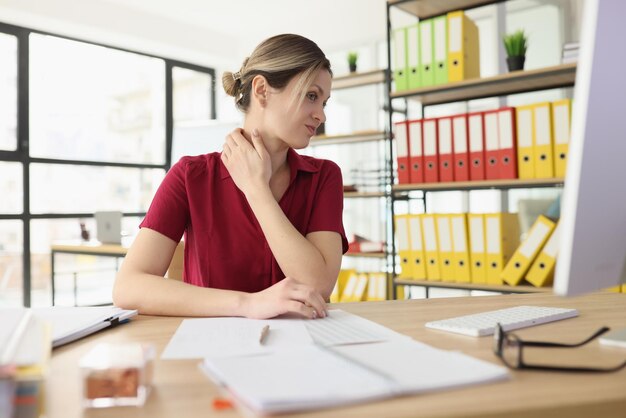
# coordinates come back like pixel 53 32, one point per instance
pixel 121 294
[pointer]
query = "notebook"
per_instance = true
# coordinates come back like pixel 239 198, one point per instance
pixel 70 324
pixel 314 376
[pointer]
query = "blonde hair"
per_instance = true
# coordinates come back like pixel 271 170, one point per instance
pixel 278 59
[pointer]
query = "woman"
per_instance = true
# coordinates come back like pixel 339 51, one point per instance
pixel 262 224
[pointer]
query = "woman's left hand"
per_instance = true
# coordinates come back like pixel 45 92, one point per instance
pixel 249 164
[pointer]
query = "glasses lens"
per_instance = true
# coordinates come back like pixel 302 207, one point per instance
pixel 511 350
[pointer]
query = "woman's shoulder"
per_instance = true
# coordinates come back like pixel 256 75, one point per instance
pixel 193 165
pixel 319 164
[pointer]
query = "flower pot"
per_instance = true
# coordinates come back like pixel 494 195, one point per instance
pixel 352 67
pixel 515 63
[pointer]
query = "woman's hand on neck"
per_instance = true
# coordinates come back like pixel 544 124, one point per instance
pixel 276 148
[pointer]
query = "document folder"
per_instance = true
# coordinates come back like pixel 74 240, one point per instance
pixel 404 246
pixel 402 150
pixel 492 145
pixel 476 146
pixel 444 239
pixel 541 272
pixel 544 156
pixel 461 148
pixel 463 48
pixel 417 255
pixel 478 257
pixel 400 77
pixel 525 142
pixel 431 150
pixel 440 32
pixel 413 56
pixel 502 237
pixel 431 246
pixel 460 258
pixel 416 154
pixel 561 118
pixel 521 260
pixel 427 55
pixel 444 139
pixel 507 154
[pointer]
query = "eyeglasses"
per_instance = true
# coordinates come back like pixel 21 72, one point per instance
pixel 508 347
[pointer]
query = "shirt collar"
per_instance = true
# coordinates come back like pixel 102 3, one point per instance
pixel 296 163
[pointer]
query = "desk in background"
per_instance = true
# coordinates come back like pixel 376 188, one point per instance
pixel 181 389
pixel 84 248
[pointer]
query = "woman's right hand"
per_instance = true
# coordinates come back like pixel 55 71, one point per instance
pixel 286 296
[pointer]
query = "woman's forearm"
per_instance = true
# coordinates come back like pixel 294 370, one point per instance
pixel 296 256
pixel 174 298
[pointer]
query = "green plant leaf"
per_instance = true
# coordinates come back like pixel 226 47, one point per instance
pixel 515 43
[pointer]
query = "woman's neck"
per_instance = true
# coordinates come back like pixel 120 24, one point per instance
pixel 276 148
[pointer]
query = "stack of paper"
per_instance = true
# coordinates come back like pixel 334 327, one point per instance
pixel 307 364
pixel 316 377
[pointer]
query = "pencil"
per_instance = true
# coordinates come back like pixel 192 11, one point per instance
pixel 264 331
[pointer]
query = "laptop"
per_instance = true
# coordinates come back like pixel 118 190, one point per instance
pixel 109 227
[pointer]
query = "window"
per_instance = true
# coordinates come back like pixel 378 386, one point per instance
pixel 11 188
pixel 8 87
pixel 11 246
pixel 58 188
pixel 192 95
pixel 97 139
pixel 88 102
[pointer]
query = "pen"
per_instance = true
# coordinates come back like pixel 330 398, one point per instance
pixel 264 331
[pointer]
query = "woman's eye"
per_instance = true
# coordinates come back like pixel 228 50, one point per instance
pixel 312 96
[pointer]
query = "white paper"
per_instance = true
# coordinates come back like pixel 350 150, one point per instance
pixel 316 377
pixel 290 380
pixel 211 337
pixel 417 367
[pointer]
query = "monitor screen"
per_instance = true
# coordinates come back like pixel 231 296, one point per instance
pixel 592 254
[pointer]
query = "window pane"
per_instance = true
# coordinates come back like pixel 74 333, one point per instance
pixel 89 102
pixel 192 95
pixel 59 188
pixel 11 188
pixel 94 276
pixel 8 97
pixel 11 276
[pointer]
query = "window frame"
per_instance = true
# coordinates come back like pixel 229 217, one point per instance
pixel 22 155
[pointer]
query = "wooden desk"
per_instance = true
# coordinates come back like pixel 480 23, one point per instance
pixel 83 248
pixel 182 390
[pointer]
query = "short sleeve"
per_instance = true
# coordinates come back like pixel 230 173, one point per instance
pixel 327 211
pixel 169 211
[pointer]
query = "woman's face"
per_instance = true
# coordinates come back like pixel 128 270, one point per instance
pixel 292 124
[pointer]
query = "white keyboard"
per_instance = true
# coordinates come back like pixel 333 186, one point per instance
pixel 484 323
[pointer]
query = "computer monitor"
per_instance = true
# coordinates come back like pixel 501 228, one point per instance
pixel 592 254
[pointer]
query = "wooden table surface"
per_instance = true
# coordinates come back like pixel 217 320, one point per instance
pixel 182 390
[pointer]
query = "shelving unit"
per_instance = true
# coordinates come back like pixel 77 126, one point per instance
pixel 473 286
pixel 557 76
pixel 350 81
pixel 400 189
pixel 499 85
pixel 366 255
pixel 356 137
pixel 359 79
pixel 428 8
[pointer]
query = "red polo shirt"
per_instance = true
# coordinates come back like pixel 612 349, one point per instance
pixel 224 245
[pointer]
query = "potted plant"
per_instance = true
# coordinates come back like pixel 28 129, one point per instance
pixel 515 45
pixel 352 57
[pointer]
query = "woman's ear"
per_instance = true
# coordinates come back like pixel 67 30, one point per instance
pixel 260 88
